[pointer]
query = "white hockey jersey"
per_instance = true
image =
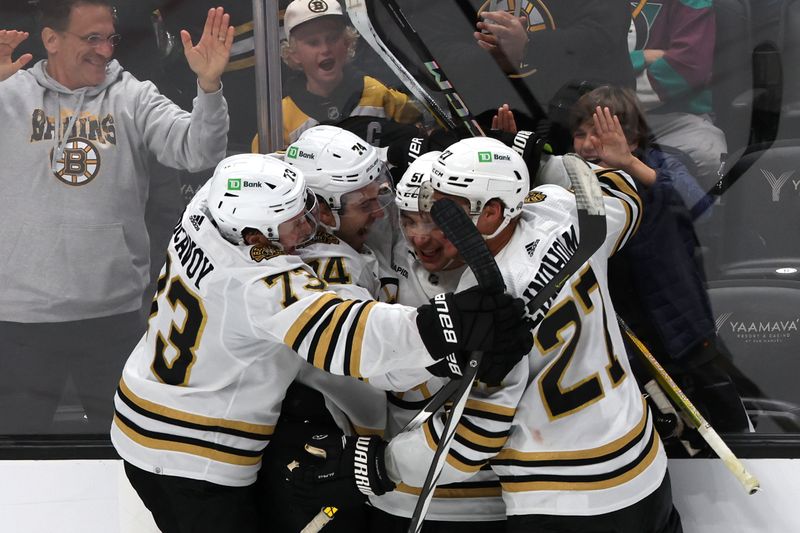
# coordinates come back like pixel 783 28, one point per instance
pixel 356 406
pixel 568 431
pixel 337 263
pixel 475 499
pixel 201 392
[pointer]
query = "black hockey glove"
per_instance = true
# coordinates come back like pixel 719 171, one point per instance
pixel 343 469
pixel 454 324
pixel 403 151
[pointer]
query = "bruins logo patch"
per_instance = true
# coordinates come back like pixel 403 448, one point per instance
pixel 265 253
pixel 317 6
pixel 535 197
pixel 79 164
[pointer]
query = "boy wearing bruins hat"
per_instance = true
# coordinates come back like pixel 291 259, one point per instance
pixel 326 90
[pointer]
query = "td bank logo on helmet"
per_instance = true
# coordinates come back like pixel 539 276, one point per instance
pixel 294 153
pixel 488 157
pixel 237 184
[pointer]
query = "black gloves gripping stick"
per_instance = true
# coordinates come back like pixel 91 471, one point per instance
pixel 453 324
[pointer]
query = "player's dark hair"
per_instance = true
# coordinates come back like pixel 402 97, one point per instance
pixel 621 102
pixel 55 13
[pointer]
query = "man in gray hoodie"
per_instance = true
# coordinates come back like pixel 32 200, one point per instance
pixel 74 253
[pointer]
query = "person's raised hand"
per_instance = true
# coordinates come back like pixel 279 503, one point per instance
pixel 504 36
pixel 609 140
pixel 209 57
pixel 504 120
pixel 9 40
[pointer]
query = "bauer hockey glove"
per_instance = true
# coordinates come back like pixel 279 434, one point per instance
pixel 453 324
pixel 343 469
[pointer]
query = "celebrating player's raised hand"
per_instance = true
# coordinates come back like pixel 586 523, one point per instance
pixel 9 40
pixel 209 57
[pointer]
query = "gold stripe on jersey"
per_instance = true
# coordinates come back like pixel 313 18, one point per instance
pixel 366 432
pixel 615 447
pixel 396 104
pixel 454 459
pixel 162 441
pixel 421 392
pixel 355 340
pixel 368 111
pixel 174 416
pixel 238 60
pixel 385 102
pixel 242 28
pixel 489 489
pixel 479 439
pixel 615 185
pixel 489 410
pixel 307 320
pixel 322 349
pixel 295 122
pixel 586 482
pixel 240 64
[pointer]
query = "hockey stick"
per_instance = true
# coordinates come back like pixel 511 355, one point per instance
pixel 518 84
pixel 424 54
pixel 435 403
pixel 733 463
pixel 592 226
pixel 320 520
pixel 359 17
pixel 459 230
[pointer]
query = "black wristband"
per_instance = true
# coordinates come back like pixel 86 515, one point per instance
pixel 369 466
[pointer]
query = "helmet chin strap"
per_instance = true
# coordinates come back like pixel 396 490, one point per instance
pixel 500 228
pixel 447 265
pixel 337 221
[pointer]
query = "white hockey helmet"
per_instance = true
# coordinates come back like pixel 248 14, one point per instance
pixel 260 192
pixel 480 169
pixel 418 172
pixel 335 162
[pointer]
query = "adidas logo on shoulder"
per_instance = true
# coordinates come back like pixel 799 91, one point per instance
pixel 196 221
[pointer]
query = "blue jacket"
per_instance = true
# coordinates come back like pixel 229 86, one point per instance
pixel 659 281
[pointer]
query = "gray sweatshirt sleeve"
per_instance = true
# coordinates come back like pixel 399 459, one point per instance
pixel 179 139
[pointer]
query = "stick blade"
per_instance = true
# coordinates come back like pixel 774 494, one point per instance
pixel 588 195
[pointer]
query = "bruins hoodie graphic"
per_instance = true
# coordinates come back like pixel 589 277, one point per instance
pixel 75 180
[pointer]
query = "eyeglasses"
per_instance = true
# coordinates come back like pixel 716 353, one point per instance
pixel 96 40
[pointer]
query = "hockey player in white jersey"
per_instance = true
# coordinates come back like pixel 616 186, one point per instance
pixel 200 394
pixel 567 430
pixel 353 189
pixel 474 505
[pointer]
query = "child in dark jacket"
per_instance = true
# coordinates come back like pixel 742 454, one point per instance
pixel 657 281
